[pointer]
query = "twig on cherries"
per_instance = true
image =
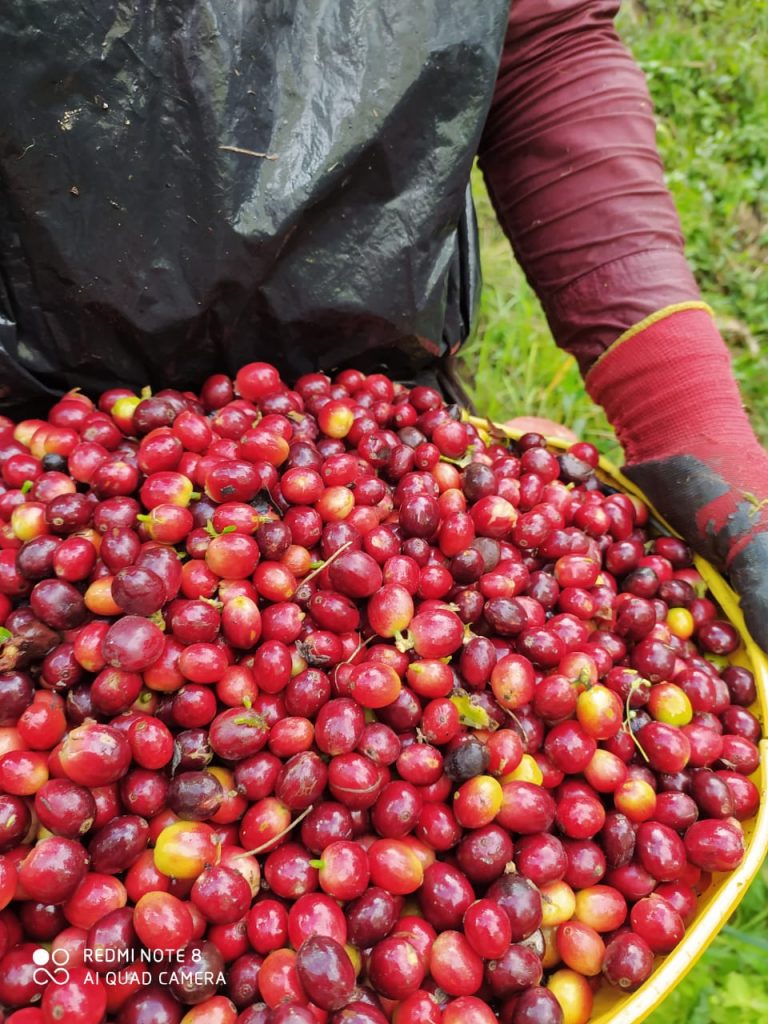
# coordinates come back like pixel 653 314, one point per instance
pixel 323 565
pixel 630 714
pixel 274 839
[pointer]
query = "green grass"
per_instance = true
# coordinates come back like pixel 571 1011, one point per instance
pixel 707 66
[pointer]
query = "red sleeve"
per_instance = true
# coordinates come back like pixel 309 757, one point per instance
pixel 570 160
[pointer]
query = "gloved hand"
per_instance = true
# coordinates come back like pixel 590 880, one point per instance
pixel 668 389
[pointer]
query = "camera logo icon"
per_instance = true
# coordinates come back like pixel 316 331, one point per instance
pixel 50 967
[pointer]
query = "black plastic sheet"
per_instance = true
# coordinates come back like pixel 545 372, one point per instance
pixel 187 185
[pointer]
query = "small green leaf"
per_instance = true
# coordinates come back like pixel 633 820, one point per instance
pixel 461 463
pixel 472 715
pixel 158 619
pixel 5 635
pixel 27 486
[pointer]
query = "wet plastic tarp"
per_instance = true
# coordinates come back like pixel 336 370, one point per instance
pixel 186 185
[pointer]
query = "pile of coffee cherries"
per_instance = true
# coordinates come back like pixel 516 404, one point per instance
pixel 320 704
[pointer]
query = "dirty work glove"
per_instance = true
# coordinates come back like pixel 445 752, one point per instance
pixel 667 387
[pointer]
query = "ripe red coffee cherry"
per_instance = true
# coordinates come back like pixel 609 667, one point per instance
pixel 487 929
pixel 628 961
pixel 53 869
pixel 94 755
pixel 714 845
pixel 658 923
pixel 395 968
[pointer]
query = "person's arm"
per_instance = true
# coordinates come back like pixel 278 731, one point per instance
pixel 571 164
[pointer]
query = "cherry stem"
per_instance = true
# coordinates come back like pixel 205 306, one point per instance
pixel 360 646
pixel 515 719
pixel 630 714
pixel 274 839
pixel 327 562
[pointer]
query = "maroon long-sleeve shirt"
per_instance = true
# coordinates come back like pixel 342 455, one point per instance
pixel 571 164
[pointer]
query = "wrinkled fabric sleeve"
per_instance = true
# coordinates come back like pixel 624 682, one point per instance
pixel 570 161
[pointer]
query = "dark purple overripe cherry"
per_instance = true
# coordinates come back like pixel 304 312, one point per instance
pixel 326 972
